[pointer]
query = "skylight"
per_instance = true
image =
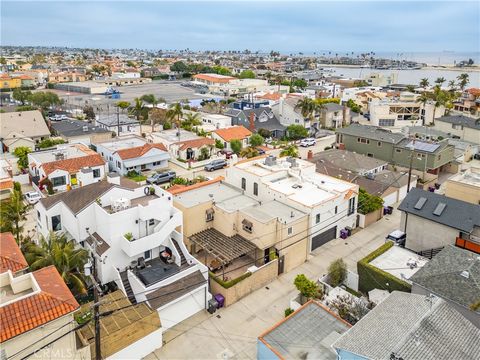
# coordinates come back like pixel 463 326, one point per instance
pixel 439 209
pixel 420 203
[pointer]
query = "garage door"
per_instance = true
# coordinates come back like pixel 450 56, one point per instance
pixel 323 238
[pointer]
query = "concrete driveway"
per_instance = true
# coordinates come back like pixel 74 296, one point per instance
pixel 232 332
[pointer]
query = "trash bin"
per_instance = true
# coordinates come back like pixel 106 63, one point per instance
pixel 343 234
pixel 349 230
pixel 220 300
pixel 212 306
pixel 431 188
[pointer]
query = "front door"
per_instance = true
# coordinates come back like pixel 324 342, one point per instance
pixel 281 264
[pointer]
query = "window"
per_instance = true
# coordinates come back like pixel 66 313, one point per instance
pixel 119 165
pixel 209 215
pixel 379 144
pixel 151 222
pixel 59 181
pixel 336 209
pixel 363 141
pixel 398 150
pixel 244 184
pixel 56 223
pixel 290 230
pixel 351 206
pixel 247 226
pixel 255 189
pixel 38 215
pixel 96 173
pixel 147 254
pixel 317 218
pixel 369 155
pixel 386 122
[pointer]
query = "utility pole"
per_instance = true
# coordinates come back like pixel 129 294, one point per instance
pixel 118 121
pixel 96 297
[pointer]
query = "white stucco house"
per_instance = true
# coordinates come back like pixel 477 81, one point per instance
pixel 67 166
pixel 330 203
pixel 133 154
pixel 137 236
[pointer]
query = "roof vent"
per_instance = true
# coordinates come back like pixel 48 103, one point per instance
pixel 270 160
pixel 465 274
pixel 420 203
pixel 439 209
pixel 85 128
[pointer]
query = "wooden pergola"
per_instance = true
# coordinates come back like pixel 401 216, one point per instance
pixel 223 248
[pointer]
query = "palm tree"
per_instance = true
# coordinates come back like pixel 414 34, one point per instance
pixel 463 80
pixel 424 83
pixel 138 108
pixel 191 119
pixel 151 99
pixel 452 85
pixel 423 99
pixel 63 254
pixel 249 152
pixel 175 113
pixel 12 213
pixel 309 108
pixel 290 150
pixel 439 81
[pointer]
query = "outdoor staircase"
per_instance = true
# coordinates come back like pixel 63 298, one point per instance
pixel 429 254
pixel 183 261
pixel 127 287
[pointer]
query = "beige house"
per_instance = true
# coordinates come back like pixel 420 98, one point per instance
pixel 276 230
pixel 465 186
pixel 22 128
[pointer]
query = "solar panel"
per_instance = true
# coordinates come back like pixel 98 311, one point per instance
pixel 423 146
pixel 420 203
pixel 439 209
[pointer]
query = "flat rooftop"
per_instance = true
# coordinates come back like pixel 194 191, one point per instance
pixel 69 151
pixel 469 177
pixel 123 143
pixel 399 262
pixel 171 135
pixel 217 192
pixel 273 210
pixel 259 168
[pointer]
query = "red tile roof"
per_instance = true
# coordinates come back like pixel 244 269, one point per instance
pixel 474 91
pixel 233 133
pixel 6 184
pixel 174 190
pixel 11 257
pixel 52 302
pixel 73 165
pixel 139 151
pixel 214 78
pixel 273 96
pixel 196 143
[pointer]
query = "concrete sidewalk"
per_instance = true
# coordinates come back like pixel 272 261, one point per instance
pixel 232 332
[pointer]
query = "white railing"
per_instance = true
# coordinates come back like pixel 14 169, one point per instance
pixel 135 247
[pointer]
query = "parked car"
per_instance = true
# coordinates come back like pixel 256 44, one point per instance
pixel 32 197
pixel 398 237
pixel 161 178
pixel 58 117
pixel 228 153
pixel 308 142
pixel 260 151
pixel 216 165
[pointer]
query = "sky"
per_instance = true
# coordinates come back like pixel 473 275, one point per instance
pixel 286 26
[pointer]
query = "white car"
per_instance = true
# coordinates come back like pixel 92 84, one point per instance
pixel 308 142
pixel 32 197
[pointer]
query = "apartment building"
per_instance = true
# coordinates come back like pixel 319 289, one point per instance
pixel 271 227
pixel 395 148
pixel 68 166
pixel 461 126
pixel 64 76
pixel 465 186
pixel 331 204
pixel 136 235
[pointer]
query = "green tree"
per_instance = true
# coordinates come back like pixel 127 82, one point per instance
pixel 299 83
pixel 175 114
pixel 289 150
pixel 452 85
pixel 424 98
pixel 424 83
pixel 308 108
pixel 256 140
pixel 12 212
pixel 236 146
pixel 353 106
pixel 179 66
pixel 247 74
pixel 296 132
pixel 204 154
pixel 25 108
pixel 89 112
pixel 64 255
pixel 138 108
pixel 190 120
pixel 153 100
pixel 123 104
pixel 44 99
pixel 264 133
pixel 308 288
pixel 21 95
pixel 47 143
pixel 410 88
pixel 368 203
pixel 221 70
pixel 218 144
pixel 21 153
pixel 463 80
pixel 337 272
pixel 439 81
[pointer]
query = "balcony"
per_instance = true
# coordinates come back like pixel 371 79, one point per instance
pixel 161 233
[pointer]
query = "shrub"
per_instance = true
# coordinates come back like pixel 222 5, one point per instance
pixel 305 286
pixel 296 132
pixel 167 126
pixel 228 284
pixel 337 272
pixel 371 277
pixel 50 142
pixel 264 133
pixel 21 153
pixel 368 203
pixel 128 236
pixel 256 140
pixel 49 186
pixel 219 144
pixel 236 146
pixel 289 311
pixel 17 187
pixel 180 181
pixel 204 154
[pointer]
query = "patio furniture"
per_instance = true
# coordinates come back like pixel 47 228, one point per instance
pixel 171 259
pixel 141 263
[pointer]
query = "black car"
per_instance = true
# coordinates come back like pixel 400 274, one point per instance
pixel 161 178
pixel 215 165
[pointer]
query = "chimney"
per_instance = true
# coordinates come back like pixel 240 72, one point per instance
pixel 252 122
pixel 310 154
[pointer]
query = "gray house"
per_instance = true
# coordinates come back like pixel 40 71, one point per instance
pixel 256 119
pixel 395 148
pixel 454 275
pixel 432 221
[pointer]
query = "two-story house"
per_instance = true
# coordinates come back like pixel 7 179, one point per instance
pixel 330 203
pixel 67 166
pixel 136 236
pixel 257 118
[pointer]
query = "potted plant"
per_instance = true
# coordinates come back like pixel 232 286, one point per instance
pixel 128 236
